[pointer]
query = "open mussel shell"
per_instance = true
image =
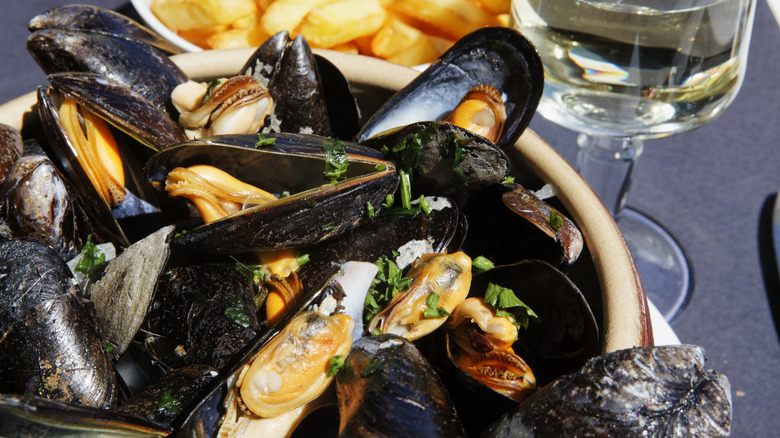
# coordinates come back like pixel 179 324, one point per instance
pixel 119 105
pixel 317 212
pixel 134 64
pixel 137 213
pixel 94 19
pixel 205 418
pixel 310 94
pixel 565 335
pixel 35 417
pixel 496 56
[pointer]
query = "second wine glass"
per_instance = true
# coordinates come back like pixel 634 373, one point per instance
pixel 623 71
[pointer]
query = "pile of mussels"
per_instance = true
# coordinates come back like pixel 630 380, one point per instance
pixel 286 270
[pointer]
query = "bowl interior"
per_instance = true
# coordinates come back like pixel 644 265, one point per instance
pixel 608 277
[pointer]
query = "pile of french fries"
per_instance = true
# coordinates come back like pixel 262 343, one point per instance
pixel 407 32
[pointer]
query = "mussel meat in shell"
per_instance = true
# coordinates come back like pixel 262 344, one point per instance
pixel 440 281
pixel 292 369
pixel 236 105
pixel 319 211
pixel 645 391
pixel 480 111
pixel 390 390
pixel 480 343
pixel 51 343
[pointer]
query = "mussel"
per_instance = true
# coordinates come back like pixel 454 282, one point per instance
pixel 317 210
pixel 495 56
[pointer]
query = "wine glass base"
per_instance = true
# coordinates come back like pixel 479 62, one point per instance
pixel 661 262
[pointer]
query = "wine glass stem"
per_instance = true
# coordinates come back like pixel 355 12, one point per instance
pixel 607 164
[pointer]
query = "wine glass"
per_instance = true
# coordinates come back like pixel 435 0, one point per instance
pixel 623 71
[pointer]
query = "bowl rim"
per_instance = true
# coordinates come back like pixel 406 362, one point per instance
pixel 626 317
pixel 143 7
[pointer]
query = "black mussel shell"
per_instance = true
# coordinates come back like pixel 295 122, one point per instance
pixel 119 105
pixel 37 202
pixel 645 391
pixel 385 234
pixel 171 397
pixel 451 161
pixel 565 334
pixel 318 211
pixel 51 341
pixel 389 389
pixel 134 64
pixel 497 56
pixel 202 314
pixel 94 19
pixel 310 94
pixel 29 416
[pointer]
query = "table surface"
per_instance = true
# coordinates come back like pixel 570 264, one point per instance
pixel 713 188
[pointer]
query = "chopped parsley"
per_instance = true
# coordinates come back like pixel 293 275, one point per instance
pixel 502 298
pixel 371 367
pixel 481 264
pixel 433 311
pixel 389 280
pixel 406 190
pixel 555 221
pixel 169 403
pixel 328 227
pixel 380 167
pixel 302 260
pixel 335 160
pixel 234 310
pixel 90 256
pixel 263 141
pixel 508 180
pixel 369 209
pixel 335 364
pixel 406 153
pixel 253 273
pixel 424 205
pixel 211 85
pixel 389 201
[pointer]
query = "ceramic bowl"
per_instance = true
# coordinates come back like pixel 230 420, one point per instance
pixel 622 306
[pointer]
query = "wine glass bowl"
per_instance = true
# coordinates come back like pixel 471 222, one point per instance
pixel 623 71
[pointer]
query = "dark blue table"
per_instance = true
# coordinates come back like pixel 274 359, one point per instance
pixel 713 188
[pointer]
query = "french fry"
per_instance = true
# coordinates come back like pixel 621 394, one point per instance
pixel 421 52
pixel 287 14
pixel 341 21
pixel 394 37
pixel 238 38
pixel 348 47
pixel 199 14
pixel 200 37
pixel 450 18
pixel 496 6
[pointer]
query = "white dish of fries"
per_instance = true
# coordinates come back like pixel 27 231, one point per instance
pixel 407 32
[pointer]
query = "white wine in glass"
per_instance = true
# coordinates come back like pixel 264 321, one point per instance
pixel 623 71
